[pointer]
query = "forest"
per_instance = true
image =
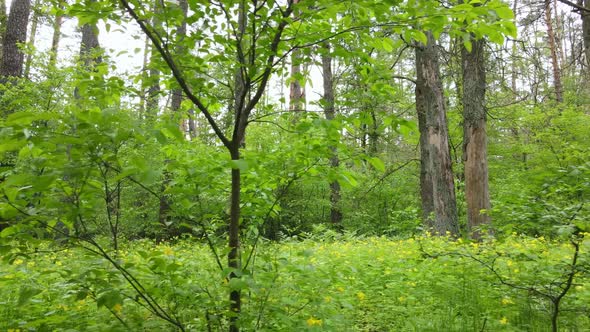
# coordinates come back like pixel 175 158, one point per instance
pixel 294 165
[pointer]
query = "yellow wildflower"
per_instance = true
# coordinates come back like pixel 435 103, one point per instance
pixel 312 321
pixel 327 299
pixel 507 300
pixel 18 261
pixel 168 251
pixel 504 321
pixel 361 296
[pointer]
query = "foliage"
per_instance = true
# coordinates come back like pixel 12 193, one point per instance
pixel 423 283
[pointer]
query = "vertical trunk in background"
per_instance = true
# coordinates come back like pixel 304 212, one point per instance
pixel 330 112
pixel 153 92
pixel 475 160
pixel 180 35
pixel 88 49
pixel 2 24
pixel 553 48
pixel 57 23
pixel 436 170
pixel 586 32
pixel 16 33
pixel 296 91
pixel 33 35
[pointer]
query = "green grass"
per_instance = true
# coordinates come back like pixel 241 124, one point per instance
pixel 374 284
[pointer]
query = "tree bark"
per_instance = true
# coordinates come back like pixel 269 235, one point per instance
pixel 475 138
pixel 553 48
pixel 16 33
pixel 330 112
pixel 296 91
pixel 180 35
pixel 586 32
pixel 57 23
pixel 3 19
pixel 153 92
pixel 430 105
pixel 32 36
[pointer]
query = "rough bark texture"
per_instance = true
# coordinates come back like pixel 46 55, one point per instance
pixel 153 92
pixel 553 48
pixel 330 112
pixel 89 45
pixel 3 19
pixel 475 138
pixel 180 35
pixel 16 33
pixel 434 138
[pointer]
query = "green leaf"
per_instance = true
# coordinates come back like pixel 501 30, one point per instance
pixel 377 164
pixel 504 12
pixel 468 45
pixel 240 164
pixel 26 293
pixel 109 299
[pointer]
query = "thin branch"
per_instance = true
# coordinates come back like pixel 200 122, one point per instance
pixel 176 73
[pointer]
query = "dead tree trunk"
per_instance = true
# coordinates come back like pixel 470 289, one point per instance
pixel 475 138
pixel 436 169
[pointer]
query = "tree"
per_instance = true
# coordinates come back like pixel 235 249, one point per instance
pixel 329 112
pixel 436 175
pixel 2 24
pixel 475 137
pixel 34 24
pixel 16 34
pixel 256 46
pixel 553 49
pixel 57 23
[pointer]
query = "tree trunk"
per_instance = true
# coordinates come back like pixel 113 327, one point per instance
pixel 16 33
pixel 553 49
pixel 153 92
pixel 296 91
pixel 474 138
pixel 3 19
pixel 57 23
pixel 586 32
pixel 33 35
pixel 430 105
pixel 180 35
pixel 234 259
pixel 330 112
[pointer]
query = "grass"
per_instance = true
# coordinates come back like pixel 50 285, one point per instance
pixel 372 284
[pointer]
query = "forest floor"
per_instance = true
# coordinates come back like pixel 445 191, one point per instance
pixel 371 284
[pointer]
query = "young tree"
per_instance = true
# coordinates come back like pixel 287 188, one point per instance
pixel 16 33
pixel 436 177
